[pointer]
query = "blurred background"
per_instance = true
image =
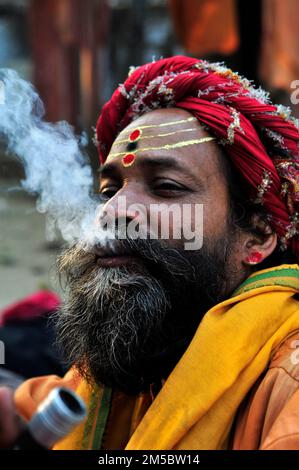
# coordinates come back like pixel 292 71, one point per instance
pixel 77 51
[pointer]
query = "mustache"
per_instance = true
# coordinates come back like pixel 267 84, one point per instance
pixel 157 256
pixel 153 252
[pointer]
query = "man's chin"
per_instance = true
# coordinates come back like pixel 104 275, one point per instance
pixel 130 380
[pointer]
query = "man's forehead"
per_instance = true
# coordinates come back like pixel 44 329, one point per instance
pixel 161 119
pixel 157 132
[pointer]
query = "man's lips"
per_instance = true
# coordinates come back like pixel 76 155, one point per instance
pixel 117 260
pixel 115 256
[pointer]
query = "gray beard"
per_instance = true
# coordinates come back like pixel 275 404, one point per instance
pixel 107 325
pixel 126 327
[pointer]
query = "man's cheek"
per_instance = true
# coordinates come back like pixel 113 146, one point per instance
pixel 215 220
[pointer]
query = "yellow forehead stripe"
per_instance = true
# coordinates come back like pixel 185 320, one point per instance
pixel 170 123
pixel 184 143
pixel 157 135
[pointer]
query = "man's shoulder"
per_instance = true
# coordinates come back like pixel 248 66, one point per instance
pixel 285 357
pixel 269 416
pixel 283 374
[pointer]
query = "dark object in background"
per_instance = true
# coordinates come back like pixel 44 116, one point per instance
pixel 10 379
pixel 247 58
pixel 29 337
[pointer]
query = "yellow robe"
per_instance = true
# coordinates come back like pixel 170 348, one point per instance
pixel 196 405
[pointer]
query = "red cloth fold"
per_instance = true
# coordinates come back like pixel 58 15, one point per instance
pixel 35 305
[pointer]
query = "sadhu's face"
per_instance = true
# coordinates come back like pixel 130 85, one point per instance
pixel 133 309
pixel 164 172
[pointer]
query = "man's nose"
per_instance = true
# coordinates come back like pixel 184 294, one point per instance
pixel 125 206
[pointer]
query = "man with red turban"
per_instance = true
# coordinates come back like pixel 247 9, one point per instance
pixel 175 346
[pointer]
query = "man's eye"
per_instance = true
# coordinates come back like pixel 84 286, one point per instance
pixel 168 186
pixel 108 192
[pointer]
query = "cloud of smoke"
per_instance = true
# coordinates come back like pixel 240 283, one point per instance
pixel 2 96
pixel 56 169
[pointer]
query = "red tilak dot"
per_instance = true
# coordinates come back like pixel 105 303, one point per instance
pixel 128 159
pixel 135 135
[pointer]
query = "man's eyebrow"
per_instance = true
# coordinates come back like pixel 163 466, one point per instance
pixel 164 163
pixel 108 170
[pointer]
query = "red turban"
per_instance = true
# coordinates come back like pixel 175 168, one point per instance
pixel 260 138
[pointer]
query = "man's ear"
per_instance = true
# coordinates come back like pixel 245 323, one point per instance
pixel 259 245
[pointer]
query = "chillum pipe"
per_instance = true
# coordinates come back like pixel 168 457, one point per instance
pixel 55 417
